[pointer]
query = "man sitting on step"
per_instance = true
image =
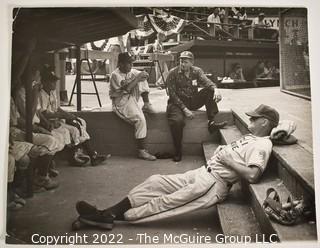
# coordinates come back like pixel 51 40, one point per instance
pixel 163 196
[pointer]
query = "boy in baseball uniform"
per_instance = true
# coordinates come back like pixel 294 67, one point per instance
pixel 163 196
pixel 55 118
pixel 126 86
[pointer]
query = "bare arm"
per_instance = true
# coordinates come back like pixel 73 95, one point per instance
pixel 250 173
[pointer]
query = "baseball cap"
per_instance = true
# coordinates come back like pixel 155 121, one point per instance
pixel 125 57
pixel 261 14
pixel 187 54
pixel 267 112
pixel 47 75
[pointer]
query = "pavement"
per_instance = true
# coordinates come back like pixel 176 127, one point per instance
pixel 52 213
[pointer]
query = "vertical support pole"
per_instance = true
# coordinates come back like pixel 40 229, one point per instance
pixel 29 123
pixel 57 72
pixel 63 92
pixel 78 77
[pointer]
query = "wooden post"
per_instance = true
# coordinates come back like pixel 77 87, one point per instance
pixel 63 92
pixel 78 77
pixel 28 120
pixel 57 72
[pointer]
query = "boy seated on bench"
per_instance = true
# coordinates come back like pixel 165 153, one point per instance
pixel 163 196
pixel 55 117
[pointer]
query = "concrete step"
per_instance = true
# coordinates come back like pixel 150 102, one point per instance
pixel 294 163
pixel 300 231
pixel 235 214
pixel 110 134
pixel 257 194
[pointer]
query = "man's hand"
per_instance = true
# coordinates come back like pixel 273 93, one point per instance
pixel 188 113
pixel 219 148
pixel 142 76
pixel 39 129
pixel 225 157
pixel 217 96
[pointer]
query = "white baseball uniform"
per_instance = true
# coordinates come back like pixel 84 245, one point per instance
pixel 162 196
pixel 125 104
pixel 48 102
pixel 50 142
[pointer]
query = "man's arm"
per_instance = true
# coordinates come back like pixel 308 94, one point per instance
pixel 128 86
pixel 204 81
pixel 250 173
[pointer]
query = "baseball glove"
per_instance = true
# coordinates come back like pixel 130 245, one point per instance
pixel 282 134
pixel 288 213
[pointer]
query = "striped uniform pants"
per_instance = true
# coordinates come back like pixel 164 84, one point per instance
pixel 163 196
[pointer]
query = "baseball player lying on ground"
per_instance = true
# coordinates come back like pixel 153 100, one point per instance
pixel 163 196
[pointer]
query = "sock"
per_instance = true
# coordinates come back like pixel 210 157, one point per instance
pixel 43 164
pixel 119 209
pixel 145 97
pixel 141 144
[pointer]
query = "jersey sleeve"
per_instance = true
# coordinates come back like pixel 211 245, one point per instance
pixel 259 154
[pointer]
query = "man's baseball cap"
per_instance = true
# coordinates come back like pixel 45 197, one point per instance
pixel 125 58
pixel 187 55
pixel 261 14
pixel 47 75
pixel 267 112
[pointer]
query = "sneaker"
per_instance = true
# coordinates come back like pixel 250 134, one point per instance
pixel 147 108
pixel 213 126
pixel 18 199
pixel 98 158
pixel 14 206
pixel 144 154
pixel 46 182
pixel 90 215
pixel 80 159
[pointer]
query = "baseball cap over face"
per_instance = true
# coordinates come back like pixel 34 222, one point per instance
pixel 267 112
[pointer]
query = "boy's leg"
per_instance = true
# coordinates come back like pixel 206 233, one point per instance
pixel 131 113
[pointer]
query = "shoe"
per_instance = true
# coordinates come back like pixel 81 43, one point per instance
pixel 90 215
pixel 213 126
pixel 80 159
pixel 18 199
pixel 38 189
pixel 14 206
pixel 144 154
pixel 177 157
pixel 98 158
pixel 85 208
pixel 147 108
pixel 46 182
pixel 53 172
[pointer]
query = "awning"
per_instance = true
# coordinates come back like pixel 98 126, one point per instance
pixel 56 28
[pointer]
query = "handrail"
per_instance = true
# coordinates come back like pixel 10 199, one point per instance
pixel 214 28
